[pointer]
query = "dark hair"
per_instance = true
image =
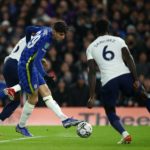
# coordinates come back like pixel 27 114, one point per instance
pixel 102 26
pixel 60 26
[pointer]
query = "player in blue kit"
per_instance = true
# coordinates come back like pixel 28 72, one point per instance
pixel 118 73
pixel 10 73
pixel 32 76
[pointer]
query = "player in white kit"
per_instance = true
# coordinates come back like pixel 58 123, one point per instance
pixel 10 72
pixel 118 73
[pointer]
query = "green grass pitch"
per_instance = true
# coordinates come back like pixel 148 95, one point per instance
pixel 58 138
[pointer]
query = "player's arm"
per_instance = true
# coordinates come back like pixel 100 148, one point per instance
pixel 129 61
pixel 38 63
pixel 92 77
pixel 92 82
pixel 30 30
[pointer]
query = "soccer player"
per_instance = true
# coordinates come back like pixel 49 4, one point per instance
pixel 118 72
pixel 10 73
pixel 31 74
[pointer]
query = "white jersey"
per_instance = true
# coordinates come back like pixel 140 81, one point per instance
pixel 106 51
pixel 16 52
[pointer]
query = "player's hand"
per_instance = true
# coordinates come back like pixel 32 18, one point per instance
pixel 50 80
pixel 91 102
pixel 143 93
pixel 140 88
pixel 136 85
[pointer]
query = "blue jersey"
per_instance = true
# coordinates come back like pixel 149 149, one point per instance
pixel 36 47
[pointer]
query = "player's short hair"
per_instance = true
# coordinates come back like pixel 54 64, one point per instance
pixel 102 26
pixel 60 26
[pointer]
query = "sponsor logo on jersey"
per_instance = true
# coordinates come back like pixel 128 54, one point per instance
pixel 46 45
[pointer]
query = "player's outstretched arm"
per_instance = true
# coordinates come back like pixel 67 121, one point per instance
pixel 38 61
pixel 91 81
pixel 30 30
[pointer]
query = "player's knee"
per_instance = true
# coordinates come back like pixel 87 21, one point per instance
pixel 112 117
pixel 111 114
pixel 46 98
pixel 33 99
pixel 44 90
pixel 109 109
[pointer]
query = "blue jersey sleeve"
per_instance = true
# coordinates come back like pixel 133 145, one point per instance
pixel 42 48
pixel 38 61
pixel 31 29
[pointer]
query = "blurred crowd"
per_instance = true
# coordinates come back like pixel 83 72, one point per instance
pixel 66 61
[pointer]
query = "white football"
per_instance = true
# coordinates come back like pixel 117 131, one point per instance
pixel 84 129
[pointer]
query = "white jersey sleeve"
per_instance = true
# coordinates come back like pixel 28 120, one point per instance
pixel 16 52
pixel 89 53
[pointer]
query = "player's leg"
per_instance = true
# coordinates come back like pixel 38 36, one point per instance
pixel 26 113
pixel 10 91
pixel 143 95
pixel 29 83
pixel 10 72
pixel 10 108
pixel 117 125
pixel 127 82
pixel 110 93
pixel 52 104
pixel 28 108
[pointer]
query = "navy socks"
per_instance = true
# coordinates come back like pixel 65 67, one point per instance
pixel 9 109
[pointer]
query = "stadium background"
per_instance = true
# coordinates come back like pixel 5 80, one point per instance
pixel 130 19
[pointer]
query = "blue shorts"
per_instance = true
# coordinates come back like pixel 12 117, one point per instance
pixel 10 72
pixel 123 83
pixel 29 77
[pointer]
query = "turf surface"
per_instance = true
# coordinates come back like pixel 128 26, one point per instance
pixel 58 138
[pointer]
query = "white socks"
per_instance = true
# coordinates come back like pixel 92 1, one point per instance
pixel 27 110
pixel 16 87
pixel 125 134
pixel 1 122
pixel 52 104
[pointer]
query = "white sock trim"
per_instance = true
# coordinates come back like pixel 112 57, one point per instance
pixel 30 105
pixel 125 134
pixel 52 104
pixel 17 88
pixel 47 98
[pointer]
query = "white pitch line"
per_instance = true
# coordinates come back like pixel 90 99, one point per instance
pixel 21 139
